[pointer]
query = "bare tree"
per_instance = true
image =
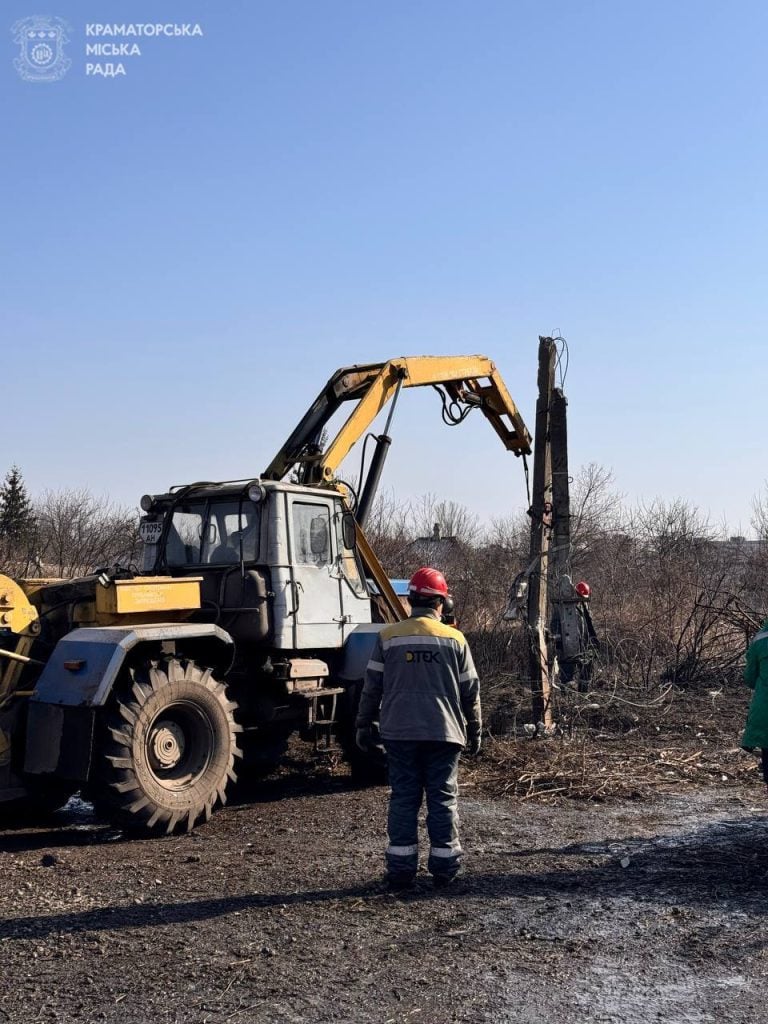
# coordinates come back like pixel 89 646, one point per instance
pixel 674 598
pixel 596 508
pixel 451 517
pixel 389 532
pixel 78 532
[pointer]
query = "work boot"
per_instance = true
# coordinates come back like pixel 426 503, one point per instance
pixel 442 879
pixel 398 881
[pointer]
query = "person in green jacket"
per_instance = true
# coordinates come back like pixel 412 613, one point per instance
pixel 756 678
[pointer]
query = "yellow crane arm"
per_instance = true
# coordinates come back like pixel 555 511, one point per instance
pixel 467 380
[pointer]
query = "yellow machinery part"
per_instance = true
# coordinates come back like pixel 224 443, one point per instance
pixel 471 379
pixel 16 611
pixel 20 616
pixel 419 371
pixel 145 594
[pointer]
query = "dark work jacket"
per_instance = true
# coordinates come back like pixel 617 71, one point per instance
pixel 421 682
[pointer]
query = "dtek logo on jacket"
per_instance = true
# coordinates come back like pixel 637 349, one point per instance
pixel 422 656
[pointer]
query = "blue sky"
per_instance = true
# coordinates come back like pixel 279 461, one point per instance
pixel 190 250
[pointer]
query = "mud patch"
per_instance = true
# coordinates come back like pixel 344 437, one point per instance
pixel 275 913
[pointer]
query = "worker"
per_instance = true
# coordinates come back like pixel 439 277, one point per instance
pixel 422 686
pixel 576 661
pixel 756 677
pixel 589 642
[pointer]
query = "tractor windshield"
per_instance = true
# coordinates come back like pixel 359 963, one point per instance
pixel 213 533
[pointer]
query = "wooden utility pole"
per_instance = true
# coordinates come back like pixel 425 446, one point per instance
pixel 561 499
pixel 569 639
pixel 541 524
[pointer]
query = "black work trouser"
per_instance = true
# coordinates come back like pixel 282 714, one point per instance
pixel 417 768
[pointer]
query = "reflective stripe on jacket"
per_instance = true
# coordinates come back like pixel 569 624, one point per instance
pixel 422 676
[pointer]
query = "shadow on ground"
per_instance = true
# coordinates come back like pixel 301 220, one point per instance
pixel 726 862
pixel 77 824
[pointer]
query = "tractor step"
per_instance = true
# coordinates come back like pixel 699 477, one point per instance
pixel 327 691
pixel 322 728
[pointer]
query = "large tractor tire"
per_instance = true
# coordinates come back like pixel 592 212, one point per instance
pixel 167 748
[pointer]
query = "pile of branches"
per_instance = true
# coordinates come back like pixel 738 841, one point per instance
pixel 609 744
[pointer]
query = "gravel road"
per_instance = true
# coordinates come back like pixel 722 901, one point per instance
pixel 274 912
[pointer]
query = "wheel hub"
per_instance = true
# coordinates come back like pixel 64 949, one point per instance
pixel 167 744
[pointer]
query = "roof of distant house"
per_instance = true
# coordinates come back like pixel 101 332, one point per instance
pixel 435 548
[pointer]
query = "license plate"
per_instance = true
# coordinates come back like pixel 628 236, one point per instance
pixel 150 531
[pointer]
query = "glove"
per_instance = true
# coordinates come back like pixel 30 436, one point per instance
pixel 363 738
pixel 473 744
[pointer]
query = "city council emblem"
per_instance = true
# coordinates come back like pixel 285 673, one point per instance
pixel 42 40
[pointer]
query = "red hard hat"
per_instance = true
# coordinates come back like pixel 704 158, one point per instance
pixel 428 583
pixel 583 589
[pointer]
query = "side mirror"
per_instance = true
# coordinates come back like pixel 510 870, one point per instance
pixel 349 530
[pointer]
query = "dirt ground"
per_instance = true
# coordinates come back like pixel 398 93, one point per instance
pixel 626 910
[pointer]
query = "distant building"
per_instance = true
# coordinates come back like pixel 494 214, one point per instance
pixel 436 551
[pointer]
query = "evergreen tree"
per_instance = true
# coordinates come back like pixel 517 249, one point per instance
pixel 16 518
